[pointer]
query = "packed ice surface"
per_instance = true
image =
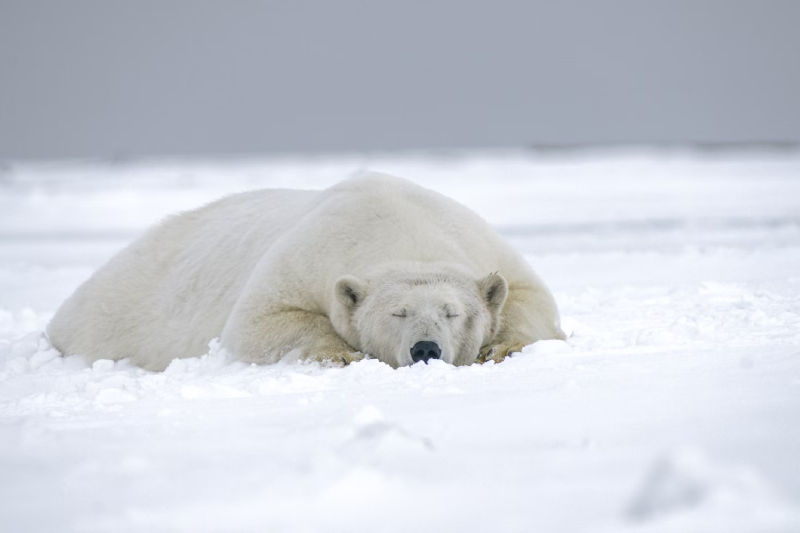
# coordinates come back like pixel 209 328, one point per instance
pixel 674 406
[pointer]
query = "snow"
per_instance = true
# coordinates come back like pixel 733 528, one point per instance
pixel 673 406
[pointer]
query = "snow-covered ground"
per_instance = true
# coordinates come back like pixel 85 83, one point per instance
pixel 674 406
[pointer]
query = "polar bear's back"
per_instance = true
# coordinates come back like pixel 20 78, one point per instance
pixel 362 223
pixel 415 223
pixel 170 292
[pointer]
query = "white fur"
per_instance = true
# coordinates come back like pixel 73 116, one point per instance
pixel 324 272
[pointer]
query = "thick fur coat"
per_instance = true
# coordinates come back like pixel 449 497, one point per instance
pixel 374 265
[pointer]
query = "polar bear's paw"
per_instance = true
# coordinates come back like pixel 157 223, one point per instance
pixel 499 352
pixel 336 358
pixel 350 357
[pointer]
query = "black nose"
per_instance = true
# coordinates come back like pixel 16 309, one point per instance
pixel 422 351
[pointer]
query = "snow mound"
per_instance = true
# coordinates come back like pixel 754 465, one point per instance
pixel 684 491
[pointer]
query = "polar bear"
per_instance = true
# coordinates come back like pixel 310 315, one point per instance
pixel 374 265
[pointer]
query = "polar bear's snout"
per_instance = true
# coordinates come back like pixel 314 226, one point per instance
pixel 425 350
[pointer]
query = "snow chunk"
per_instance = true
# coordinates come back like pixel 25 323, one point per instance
pixel 547 347
pixel 689 493
pixel 102 365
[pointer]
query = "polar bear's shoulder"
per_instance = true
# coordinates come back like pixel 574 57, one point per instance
pixel 374 182
pixel 379 190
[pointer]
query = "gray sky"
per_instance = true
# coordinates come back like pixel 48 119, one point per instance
pixel 144 77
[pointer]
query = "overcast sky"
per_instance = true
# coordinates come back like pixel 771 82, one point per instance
pixel 110 78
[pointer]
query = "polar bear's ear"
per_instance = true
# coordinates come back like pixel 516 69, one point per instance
pixel 350 291
pixel 494 290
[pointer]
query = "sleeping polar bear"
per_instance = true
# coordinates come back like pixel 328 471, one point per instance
pixel 374 265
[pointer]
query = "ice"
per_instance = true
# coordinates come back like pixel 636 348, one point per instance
pixel 673 405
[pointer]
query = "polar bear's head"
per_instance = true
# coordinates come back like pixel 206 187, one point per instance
pixel 414 313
